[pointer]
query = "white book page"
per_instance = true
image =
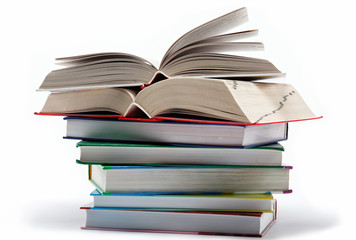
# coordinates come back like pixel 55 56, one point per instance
pixel 211 28
pixel 269 102
pixel 228 37
pixel 218 47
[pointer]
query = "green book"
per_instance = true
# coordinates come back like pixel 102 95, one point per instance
pixel 190 179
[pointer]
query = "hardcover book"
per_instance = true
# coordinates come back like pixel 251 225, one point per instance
pixel 254 224
pixel 190 179
pixel 175 132
pixel 113 153
pixel 183 202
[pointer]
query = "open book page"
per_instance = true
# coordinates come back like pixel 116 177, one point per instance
pixel 211 28
pixel 101 57
pixel 188 96
pixel 98 100
pixel 229 37
pixel 216 65
pixel 99 70
pixel 219 43
pixel 202 52
pixel 269 102
pixel 215 47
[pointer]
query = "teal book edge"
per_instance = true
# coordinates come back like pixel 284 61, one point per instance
pixel 107 166
pixel 167 166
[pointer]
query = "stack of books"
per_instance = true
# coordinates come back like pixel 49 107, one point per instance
pixel 189 147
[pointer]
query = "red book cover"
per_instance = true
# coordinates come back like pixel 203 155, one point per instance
pixel 160 119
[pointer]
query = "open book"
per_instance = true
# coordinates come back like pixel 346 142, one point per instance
pixel 231 100
pixel 201 52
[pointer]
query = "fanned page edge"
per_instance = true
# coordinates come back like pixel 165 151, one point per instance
pixel 73 61
pixel 76 58
pixel 242 18
pixel 68 89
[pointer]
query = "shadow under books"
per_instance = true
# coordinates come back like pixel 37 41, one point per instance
pixel 299 221
pixel 59 216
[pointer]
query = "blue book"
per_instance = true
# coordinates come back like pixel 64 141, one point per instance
pixel 175 132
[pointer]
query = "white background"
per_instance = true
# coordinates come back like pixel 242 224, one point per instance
pixel 312 41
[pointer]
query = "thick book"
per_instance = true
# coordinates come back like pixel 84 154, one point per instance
pixel 190 179
pixel 183 202
pixel 200 52
pixel 233 223
pixel 237 101
pixel 174 132
pixel 114 153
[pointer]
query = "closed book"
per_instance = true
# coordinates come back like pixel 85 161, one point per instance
pixel 190 179
pixel 183 202
pixel 175 132
pixel 189 222
pixel 113 153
